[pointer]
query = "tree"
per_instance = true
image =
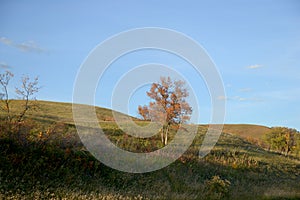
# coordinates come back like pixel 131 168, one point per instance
pixel 144 112
pixel 168 105
pixel 297 147
pixel 4 81
pixel 26 92
pixel 281 139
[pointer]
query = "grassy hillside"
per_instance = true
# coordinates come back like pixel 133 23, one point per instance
pixel 246 130
pixel 249 132
pixel 51 163
pixel 48 112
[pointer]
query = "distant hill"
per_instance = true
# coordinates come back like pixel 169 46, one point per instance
pixel 49 112
pixel 246 130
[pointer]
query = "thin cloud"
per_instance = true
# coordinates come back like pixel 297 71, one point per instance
pixel 6 41
pixel 28 46
pixel 5 66
pixel 254 66
pixel 238 98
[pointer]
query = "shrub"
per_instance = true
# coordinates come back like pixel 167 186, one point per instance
pixel 216 188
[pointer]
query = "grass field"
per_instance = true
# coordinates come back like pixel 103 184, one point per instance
pixel 51 163
pixel 48 112
pixel 247 131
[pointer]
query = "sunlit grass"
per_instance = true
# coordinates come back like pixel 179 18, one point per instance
pixel 53 164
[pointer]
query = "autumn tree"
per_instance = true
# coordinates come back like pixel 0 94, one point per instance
pixel 296 149
pixel 282 139
pixel 168 105
pixel 144 112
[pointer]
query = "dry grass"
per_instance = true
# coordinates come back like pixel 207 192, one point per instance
pixel 55 168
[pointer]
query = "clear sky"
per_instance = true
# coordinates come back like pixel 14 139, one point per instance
pixel 255 45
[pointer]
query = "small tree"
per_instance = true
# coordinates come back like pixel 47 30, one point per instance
pixel 168 105
pixel 296 149
pixel 281 139
pixel 4 81
pixel 26 92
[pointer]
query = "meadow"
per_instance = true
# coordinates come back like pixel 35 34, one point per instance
pixel 45 159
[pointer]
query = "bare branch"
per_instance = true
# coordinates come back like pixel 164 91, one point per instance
pixel 4 81
pixel 26 92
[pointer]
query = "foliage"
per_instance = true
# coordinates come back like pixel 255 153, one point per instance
pixel 282 139
pixel 169 105
pixel 217 188
pixel 296 148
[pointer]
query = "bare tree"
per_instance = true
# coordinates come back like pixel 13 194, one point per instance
pixel 4 81
pixel 169 105
pixel 26 93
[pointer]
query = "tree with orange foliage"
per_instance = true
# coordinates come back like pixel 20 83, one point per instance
pixel 168 105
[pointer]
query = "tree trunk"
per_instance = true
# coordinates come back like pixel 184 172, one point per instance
pixel 166 137
pixel 162 135
pixel 287 151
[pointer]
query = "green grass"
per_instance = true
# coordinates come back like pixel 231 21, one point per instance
pixel 49 162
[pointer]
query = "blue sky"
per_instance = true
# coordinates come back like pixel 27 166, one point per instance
pixel 255 45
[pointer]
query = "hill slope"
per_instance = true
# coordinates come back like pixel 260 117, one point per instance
pixel 55 165
pixel 246 130
pixel 48 112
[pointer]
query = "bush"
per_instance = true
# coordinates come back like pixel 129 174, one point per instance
pixel 216 188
